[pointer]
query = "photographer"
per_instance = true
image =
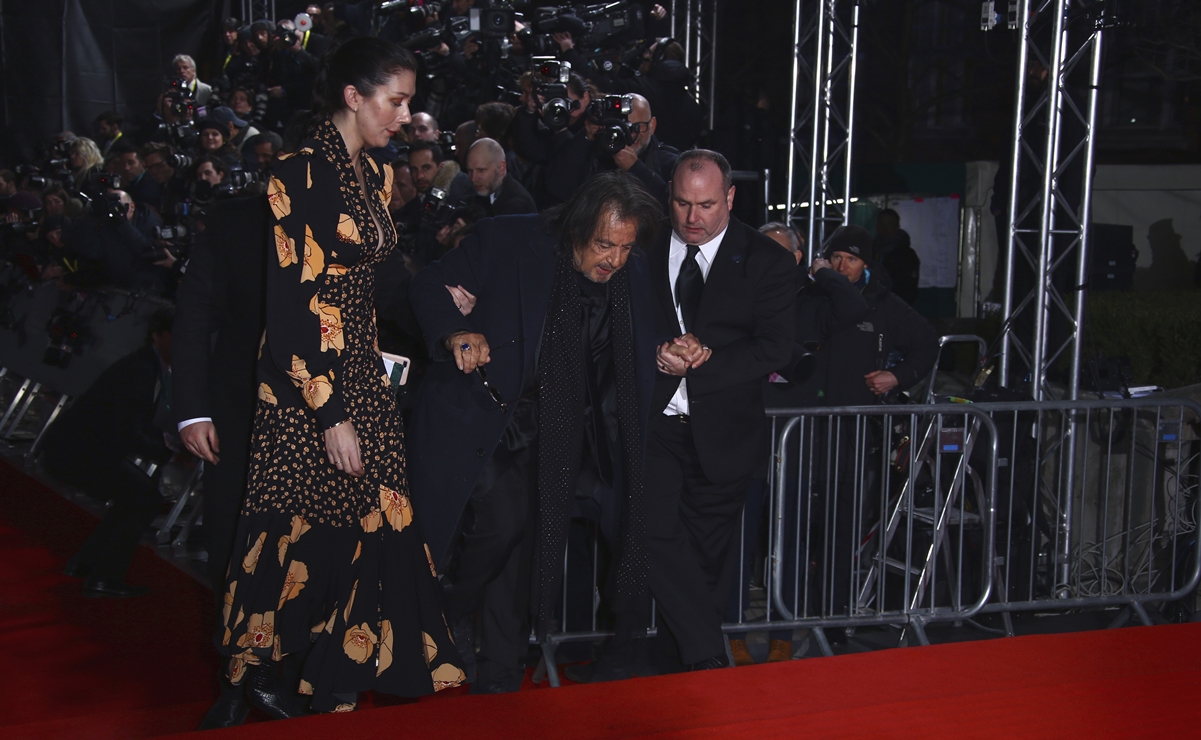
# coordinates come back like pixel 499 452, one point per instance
pixel 646 158
pixel 185 69
pixel 211 171
pixel 289 76
pixel 169 170
pixel 140 186
pixel 172 122
pixel 124 413
pixel 214 140
pixel 119 235
pixel 108 130
pixel 549 131
pixel 260 152
pixel 662 78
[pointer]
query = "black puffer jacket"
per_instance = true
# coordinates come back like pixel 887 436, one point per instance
pixel 858 332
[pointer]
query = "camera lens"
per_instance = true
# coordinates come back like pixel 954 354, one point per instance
pixel 556 113
pixel 611 140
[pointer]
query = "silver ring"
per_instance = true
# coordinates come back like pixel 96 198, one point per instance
pixel 464 347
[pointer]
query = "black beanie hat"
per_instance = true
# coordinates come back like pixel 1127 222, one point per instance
pixel 854 240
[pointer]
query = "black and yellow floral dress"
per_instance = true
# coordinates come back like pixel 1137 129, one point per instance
pixel 321 557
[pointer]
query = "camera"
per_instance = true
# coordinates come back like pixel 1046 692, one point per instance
pixel 182 106
pixel 446 142
pixel 28 222
pixel 179 86
pixel 612 114
pixel 180 161
pixel 67 334
pixel 550 84
pixel 287 37
pixel 494 23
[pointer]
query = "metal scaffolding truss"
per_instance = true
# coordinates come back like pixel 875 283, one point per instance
pixel 1051 190
pixel 825 47
pixel 694 26
pixel 257 10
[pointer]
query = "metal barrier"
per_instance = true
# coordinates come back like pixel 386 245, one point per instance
pixel 1097 504
pixel 881 515
pixel 912 515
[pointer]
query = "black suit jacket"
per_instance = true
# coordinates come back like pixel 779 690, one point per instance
pixel 219 316
pixel 747 318
pixel 112 419
pixel 511 200
pixel 508 263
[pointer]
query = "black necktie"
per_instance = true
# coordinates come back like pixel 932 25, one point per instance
pixel 689 285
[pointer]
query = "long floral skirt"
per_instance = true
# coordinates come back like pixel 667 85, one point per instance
pixel 362 598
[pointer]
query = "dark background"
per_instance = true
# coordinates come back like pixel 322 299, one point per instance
pixel 932 86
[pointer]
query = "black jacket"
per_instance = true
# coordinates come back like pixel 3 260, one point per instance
pixel 900 264
pixel 859 332
pixel 113 418
pixel 508 263
pixel 511 200
pixel 746 317
pixel 219 316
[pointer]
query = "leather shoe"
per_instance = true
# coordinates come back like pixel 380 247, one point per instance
pixel 98 588
pixel 717 661
pixel 229 710
pixel 742 656
pixel 263 693
pixel 605 668
pixel 779 651
pixel 74 569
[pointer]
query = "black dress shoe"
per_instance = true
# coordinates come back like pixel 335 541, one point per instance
pixel 263 692
pixel 229 710
pixel 74 569
pixel 717 661
pixel 98 588
pixel 605 668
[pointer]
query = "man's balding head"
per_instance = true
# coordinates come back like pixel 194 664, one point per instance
pixel 425 127
pixel 486 166
pixel 642 121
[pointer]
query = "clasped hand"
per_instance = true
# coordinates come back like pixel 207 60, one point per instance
pixel 682 354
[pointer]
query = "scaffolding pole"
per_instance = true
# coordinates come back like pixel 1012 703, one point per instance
pixel 1047 255
pixel 694 26
pixel 822 120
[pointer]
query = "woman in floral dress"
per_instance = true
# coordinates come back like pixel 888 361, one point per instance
pixel 327 557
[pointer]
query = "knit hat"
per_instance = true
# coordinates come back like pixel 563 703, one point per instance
pixel 854 240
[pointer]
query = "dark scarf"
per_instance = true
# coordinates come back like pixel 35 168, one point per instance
pixel 561 440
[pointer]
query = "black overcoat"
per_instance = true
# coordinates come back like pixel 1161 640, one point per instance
pixel 509 265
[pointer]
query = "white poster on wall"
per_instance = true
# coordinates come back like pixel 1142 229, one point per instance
pixel 933 228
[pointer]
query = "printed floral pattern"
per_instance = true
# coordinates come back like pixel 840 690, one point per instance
pixel 344 547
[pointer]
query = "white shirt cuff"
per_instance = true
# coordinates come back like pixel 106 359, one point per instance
pixel 190 422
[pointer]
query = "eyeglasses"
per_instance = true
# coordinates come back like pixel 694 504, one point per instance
pixel 638 128
pixel 491 389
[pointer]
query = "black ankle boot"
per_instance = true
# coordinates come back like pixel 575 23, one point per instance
pixel 229 710
pixel 264 692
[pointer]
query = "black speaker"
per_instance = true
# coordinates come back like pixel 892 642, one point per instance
pixel 1112 257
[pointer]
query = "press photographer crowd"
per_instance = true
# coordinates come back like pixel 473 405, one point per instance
pixel 500 225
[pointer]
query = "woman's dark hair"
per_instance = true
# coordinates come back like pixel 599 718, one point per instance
pixel 364 62
pixel 575 221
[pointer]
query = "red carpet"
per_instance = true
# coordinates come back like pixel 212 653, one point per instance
pixel 79 668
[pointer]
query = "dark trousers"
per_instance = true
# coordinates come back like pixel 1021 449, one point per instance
pixel 224 490
pixel 135 501
pixel 692 532
pixel 491 571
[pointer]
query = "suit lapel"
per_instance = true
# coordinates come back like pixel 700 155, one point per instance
pixel 728 264
pixel 661 279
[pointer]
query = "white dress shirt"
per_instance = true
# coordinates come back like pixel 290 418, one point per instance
pixel 675 258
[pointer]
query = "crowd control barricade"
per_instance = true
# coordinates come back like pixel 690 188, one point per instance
pixel 1097 505
pixel 54 344
pixel 879 515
